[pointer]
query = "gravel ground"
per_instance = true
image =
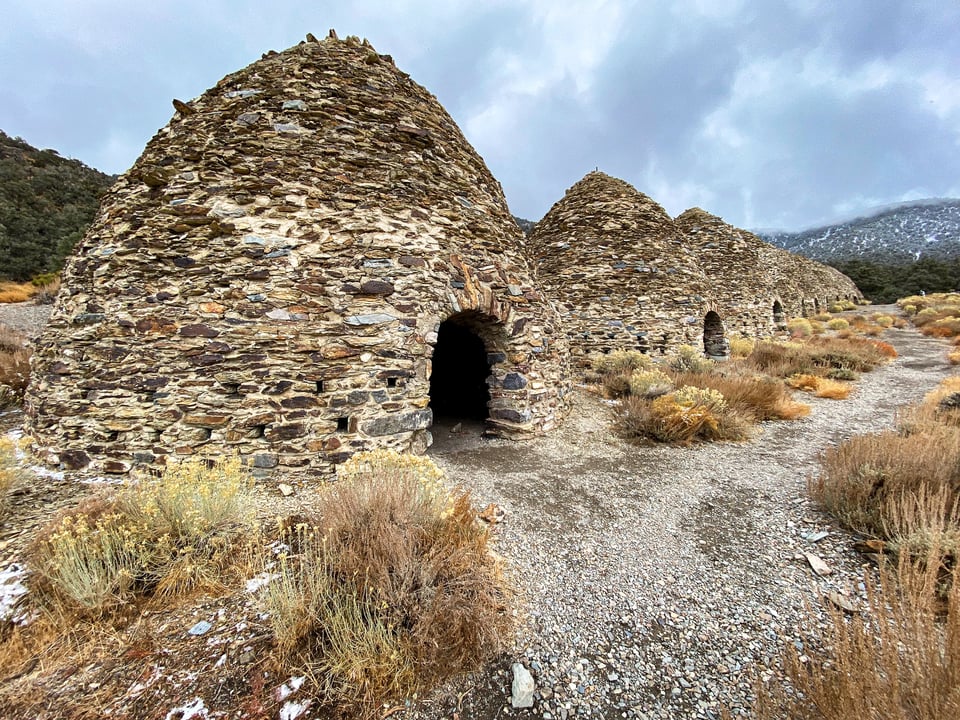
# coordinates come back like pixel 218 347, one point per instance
pixel 660 581
pixel 25 317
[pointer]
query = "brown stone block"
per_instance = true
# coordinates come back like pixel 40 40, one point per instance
pixel 209 421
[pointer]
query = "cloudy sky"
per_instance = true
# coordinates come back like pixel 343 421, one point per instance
pixel 770 113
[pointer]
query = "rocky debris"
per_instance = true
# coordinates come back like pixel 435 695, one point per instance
pixel 270 276
pixel 817 564
pixel 523 687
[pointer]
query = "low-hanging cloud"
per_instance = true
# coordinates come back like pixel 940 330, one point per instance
pixel 774 114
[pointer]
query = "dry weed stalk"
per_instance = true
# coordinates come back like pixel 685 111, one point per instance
pixel 391 589
pixel 899 661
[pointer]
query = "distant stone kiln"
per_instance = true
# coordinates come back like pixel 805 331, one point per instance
pixel 621 272
pixel 292 262
pixel 625 275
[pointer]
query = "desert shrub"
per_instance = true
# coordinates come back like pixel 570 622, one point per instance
pixel 46 292
pixel 615 385
pixel 817 328
pixel 909 308
pixel 899 661
pixel 14 374
pixel 883 321
pixel 755 397
pixel 838 324
pixel 942 327
pixel 924 316
pixel 954 357
pixel 10 473
pixel 822 317
pixel 690 413
pixel 688 359
pixel 740 347
pixel 875 483
pixel 621 362
pixel 391 589
pixel 650 383
pixel 160 537
pixel 799 327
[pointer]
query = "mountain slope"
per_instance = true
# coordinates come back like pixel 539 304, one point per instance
pixel 900 234
pixel 46 204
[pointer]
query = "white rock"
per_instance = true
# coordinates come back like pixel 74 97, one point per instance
pixel 523 687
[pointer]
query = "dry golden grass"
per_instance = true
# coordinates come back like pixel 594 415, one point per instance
pixel 820 386
pixel 14 375
pixel 758 397
pixel 876 484
pixel 391 589
pixel 741 347
pixel 899 661
pixel 11 292
pixel 838 324
pixel 183 532
pixel 833 357
pixel 954 357
pixel 10 473
pixel 799 327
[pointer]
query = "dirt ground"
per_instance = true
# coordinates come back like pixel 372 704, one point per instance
pixel 625 555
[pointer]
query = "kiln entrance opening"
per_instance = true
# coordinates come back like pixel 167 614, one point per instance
pixel 715 343
pixel 458 383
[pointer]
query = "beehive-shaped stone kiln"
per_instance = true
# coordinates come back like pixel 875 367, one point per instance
pixel 805 287
pixel 619 269
pixel 307 261
pixel 740 282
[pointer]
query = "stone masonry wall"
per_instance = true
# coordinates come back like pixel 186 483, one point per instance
pixel 619 270
pixel 270 276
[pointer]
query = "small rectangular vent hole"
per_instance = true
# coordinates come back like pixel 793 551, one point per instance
pixel 391 382
pixel 343 424
pixel 319 386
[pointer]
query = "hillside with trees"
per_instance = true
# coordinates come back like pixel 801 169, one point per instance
pixel 46 204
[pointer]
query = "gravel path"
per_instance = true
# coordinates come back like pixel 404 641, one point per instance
pixel 658 581
pixel 26 317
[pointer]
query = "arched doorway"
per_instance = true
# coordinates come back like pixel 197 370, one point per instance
pixel 779 319
pixel 461 367
pixel 715 343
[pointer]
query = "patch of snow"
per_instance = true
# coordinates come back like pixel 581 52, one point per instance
pixel 290 687
pixel 292 710
pixel 257 582
pixel 196 709
pixel 12 590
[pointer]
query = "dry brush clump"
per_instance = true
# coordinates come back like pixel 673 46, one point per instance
pixel 14 366
pixel 10 473
pixel 898 660
pixel 758 397
pixel 390 589
pixel 182 532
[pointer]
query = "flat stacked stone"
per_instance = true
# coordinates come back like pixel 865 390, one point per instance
pixel 619 270
pixel 270 276
pixel 806 286
pixel 740 284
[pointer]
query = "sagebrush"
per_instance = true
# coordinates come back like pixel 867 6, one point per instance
pixel 390 588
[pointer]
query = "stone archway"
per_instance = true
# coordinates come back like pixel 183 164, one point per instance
pixel 715 343
pixel 779 317
pixel 462 367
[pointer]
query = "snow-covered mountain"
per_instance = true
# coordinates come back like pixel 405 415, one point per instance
pixel 895 234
